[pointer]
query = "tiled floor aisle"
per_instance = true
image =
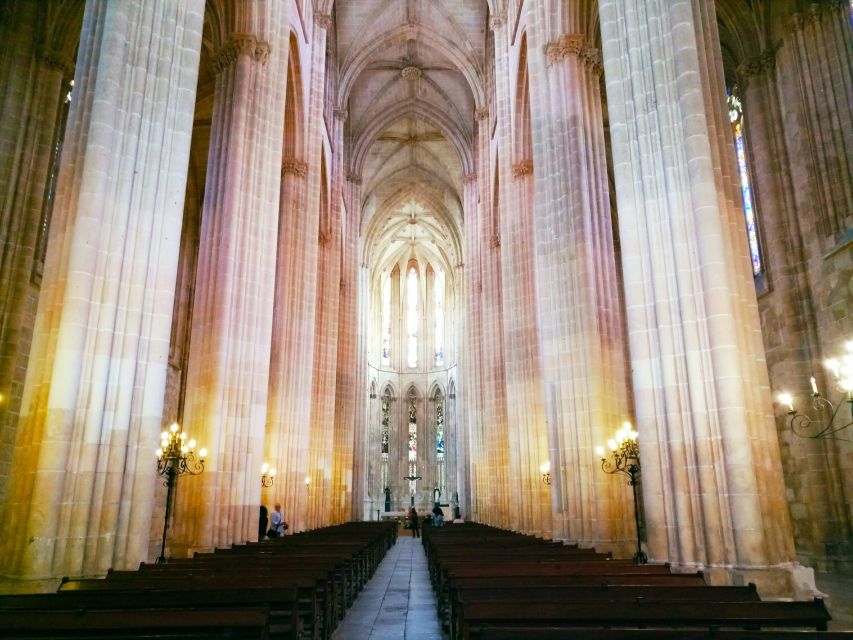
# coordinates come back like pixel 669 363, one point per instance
pixel 398 603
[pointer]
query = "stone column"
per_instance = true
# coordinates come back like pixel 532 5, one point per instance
pixel 581 320
pixel 327 288
pixel 230 344
pixel 364 483
pixel 528 509
pixel 289 406
pixel 349 377
pixel 787 309
pixel 469 381
pixel 84 472
pixel 819 49
pixel 34 79
pixel 714 496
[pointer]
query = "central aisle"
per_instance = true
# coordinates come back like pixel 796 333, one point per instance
pixel 398 603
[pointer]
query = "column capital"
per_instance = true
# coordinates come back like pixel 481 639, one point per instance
pixel 495 241
pixel 765 62
pixel 568 44
pixel 469 178
pixel 591 58
pixel 323 20
pixel 522 168
pixel 295 167
pixel 354 178
pixel 482 113
pixel 240 44
pixel 55 59
pixel 813 14
pixel 497 20
pixel 341 114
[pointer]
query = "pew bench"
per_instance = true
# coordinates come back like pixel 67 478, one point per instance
pixel 472 617
pixel 136 624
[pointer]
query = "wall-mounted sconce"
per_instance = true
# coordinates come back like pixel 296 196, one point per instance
pixel 267 475
pixel 545 470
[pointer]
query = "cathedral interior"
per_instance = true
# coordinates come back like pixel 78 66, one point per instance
pixel 419 251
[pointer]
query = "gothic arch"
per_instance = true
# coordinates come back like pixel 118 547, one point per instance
pixel 428 112
pixel 465 63
pixel 294 111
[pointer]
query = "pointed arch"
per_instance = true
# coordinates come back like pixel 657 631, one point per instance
pixel 294 108
pixel 451 129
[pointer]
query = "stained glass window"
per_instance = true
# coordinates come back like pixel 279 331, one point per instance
pixel 736 117
pixel 439 318
pixel 386 424
pixel 386 321
pixel 413 428
pixel 439 426
pixel 412 316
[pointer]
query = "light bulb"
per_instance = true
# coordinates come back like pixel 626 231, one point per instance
pixel 191 444
pixel 307 481
pixel 264 468
pixel 174 427
pixel 545 468
pixel 185 449
pixel 164 436
pixel 159 453
pixel 612 444
pixel 786 399
pixel 202 453
pixel 272 473
pixel 599 451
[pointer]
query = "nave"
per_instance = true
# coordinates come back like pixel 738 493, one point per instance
pixel 361 581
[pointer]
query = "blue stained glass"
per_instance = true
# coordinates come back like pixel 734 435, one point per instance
pixel 748 212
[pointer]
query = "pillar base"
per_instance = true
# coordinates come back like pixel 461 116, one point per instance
pixel 787 581
pixel 13 586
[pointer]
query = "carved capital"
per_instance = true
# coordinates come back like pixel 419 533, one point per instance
pixel 354 178
pixel 497 21
pixel 411 73
pixel 469 178
pixel 57 60
pixel 522 168
pixel 482 113
pixel 570 44
pixel 591 58
pixel 495 241
pixel 323 238
pixel 323 20
pixel 294 167
pixel 341 114
pixel 765 62
pixel 240 44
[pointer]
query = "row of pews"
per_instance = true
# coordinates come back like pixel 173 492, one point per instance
pixel 298 586
pixel 493 584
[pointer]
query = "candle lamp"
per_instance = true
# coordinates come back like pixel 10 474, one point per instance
pixel 545 470
pixel 825 420
pixel 175 457
pixel 625 458
pixel 267 475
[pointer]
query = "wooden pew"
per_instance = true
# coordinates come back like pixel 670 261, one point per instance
pixel 286 596
pixel 472 617
pixel 283 604
pixel 574 633
pixel 136 623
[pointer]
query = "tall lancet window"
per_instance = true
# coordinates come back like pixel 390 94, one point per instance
pixel 439 318
pixel 413 430
pixel 440 471
pixel 386 321
pixel 412 319
pixel 386 424
pixel 736 117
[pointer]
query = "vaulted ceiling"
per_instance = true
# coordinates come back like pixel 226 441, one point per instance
pixel 411 79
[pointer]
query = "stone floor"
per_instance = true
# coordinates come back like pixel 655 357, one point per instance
pixel 398 603
pixel 839 588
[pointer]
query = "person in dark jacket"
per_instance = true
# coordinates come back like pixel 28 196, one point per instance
pixel 263 521
pixel 413 517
